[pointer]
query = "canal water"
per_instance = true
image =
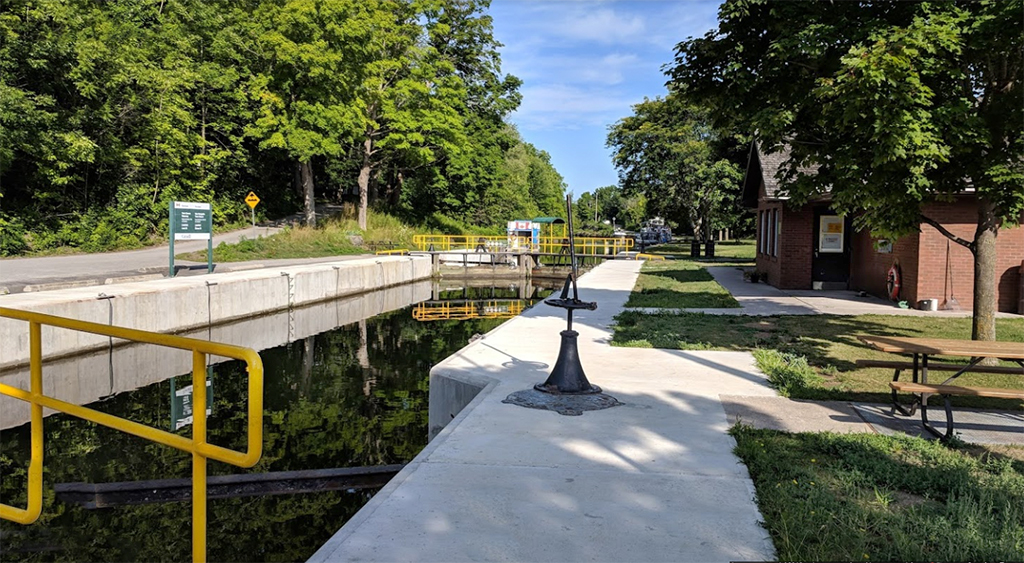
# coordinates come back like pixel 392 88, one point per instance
pixel 352 395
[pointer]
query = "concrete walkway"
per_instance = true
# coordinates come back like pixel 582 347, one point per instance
pixel 652 480
pixel 761 299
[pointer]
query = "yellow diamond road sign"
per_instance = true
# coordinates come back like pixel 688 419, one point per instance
pixel 252 199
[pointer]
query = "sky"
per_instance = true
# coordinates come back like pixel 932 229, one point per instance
pixel 584 63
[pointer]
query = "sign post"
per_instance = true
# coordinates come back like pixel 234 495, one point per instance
pixel 251 200
pixel 192 221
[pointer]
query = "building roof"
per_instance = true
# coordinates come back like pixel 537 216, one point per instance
pixel 552 220
pixel 767 169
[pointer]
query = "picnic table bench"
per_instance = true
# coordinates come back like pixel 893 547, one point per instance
pixel 921 349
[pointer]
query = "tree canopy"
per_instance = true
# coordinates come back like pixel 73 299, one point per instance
pixel 895 104
pixel 669 152
pixel 110 110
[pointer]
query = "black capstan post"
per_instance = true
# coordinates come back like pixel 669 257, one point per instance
pixel 567 377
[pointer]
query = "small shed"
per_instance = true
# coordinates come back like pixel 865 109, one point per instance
pixel 551 227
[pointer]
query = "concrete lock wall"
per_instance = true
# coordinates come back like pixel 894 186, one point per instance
pixel 450 392
pixel 181 304
pixel 83 379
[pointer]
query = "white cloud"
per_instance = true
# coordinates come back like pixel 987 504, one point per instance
pixel 565 106
pixel 580 69
pixel 604 26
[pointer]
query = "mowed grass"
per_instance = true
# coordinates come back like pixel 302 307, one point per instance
pixel 730 250
pixel 330 238
pixel 866 497
pixel 829 342
pixel 682 284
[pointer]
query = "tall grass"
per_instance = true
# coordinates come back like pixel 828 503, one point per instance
pixel 336 236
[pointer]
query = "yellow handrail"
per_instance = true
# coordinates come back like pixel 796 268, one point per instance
pixel 397 251
pixel 200 449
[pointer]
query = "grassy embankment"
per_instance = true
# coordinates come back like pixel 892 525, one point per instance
pixel 866 497
pixel 685 283
pixel 332 237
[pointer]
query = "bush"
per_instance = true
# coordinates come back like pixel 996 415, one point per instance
pixel 12 237
pixel 786 372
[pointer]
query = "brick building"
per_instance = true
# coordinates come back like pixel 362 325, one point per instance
pixel 812 247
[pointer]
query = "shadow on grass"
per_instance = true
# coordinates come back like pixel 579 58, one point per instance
pixel 683 276
pixel 670 298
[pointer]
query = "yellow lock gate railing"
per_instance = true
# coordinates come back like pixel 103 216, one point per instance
pixel 444 311
pixel 545 245
pixel 200 449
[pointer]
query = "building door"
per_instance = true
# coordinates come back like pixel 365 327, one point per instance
pixel 830 266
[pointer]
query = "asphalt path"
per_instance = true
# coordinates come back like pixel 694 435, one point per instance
pixel 54 272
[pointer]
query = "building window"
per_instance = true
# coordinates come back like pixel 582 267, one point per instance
pixel 777 228
pixel 771 232
pixel 763 247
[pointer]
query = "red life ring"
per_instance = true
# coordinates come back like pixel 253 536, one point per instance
pixel 892 282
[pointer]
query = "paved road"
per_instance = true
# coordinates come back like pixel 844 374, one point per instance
pixel 85 269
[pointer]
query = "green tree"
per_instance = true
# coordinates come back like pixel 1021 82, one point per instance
pixel 304 85
pixel 897 104
pixel 408 95
pixel 669 152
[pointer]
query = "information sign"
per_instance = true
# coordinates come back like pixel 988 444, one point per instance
pixel 830 234
pixel 181 403
pixel 191 220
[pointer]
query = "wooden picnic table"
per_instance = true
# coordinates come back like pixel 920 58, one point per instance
pixel 923 348
pixel 946 347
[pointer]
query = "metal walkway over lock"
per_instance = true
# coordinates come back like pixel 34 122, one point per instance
pixel 197 445
pixel 590 246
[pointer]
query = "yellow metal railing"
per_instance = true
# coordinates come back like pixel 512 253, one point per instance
pixel 642 256
pixel 200 449
pixel 463 311
pixel 545 245
pixel 397 251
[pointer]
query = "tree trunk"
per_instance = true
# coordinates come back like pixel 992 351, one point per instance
pixel 984 325
pixel 396 193
pixel 364 181
pixel 309 204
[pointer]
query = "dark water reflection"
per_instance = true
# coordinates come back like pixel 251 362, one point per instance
pixel 352 396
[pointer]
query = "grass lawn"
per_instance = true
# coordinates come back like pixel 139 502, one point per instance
pixel 330 238
pixel 827 341
pixel 866 497
pixel 683 284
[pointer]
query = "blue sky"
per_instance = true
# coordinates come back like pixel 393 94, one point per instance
pixel 584 63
